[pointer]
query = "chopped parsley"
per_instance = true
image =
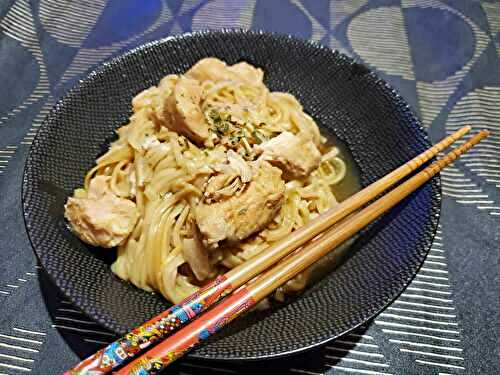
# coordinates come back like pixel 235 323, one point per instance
pixel 258 137
pixel 221 122
pixel 232 131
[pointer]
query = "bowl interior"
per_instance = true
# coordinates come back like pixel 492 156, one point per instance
pixel 343 97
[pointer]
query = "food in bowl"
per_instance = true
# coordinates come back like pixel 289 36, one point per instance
pixel 211 169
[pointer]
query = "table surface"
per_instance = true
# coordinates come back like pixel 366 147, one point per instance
pixel 443 56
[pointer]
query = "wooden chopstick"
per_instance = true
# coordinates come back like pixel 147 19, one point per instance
pixel 164 324
pixel 304 234
pixel 243 299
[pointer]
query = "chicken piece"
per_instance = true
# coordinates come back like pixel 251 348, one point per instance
pixel 238 217
pixel 101 218
pixel 296 155
pixel 208 69
pixel 154 97
pixel 182 111
pixel 240 166
pixel 145 98
pixel 165 88
pixel 231 179
pixel 212 69
pixel 248 73
pixel 221 186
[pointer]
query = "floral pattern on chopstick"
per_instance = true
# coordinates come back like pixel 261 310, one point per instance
pixel 201 329
pixel 116 353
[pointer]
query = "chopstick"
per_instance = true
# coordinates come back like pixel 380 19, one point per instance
pixel 247 296
pixel 167 322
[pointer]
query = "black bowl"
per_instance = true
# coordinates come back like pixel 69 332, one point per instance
pixel 344 97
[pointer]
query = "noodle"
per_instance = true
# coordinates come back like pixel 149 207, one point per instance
pixel 165 173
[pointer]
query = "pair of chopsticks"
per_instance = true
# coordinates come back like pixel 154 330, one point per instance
pixel 163 326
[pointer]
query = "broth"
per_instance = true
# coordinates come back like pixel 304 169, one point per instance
pixel 350 184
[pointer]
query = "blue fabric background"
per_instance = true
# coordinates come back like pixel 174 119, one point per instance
pixel 442 55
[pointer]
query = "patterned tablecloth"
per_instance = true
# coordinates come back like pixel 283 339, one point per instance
pixel 443 56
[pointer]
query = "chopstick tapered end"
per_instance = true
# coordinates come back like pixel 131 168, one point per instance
pixel 485 132
pixel 462 131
